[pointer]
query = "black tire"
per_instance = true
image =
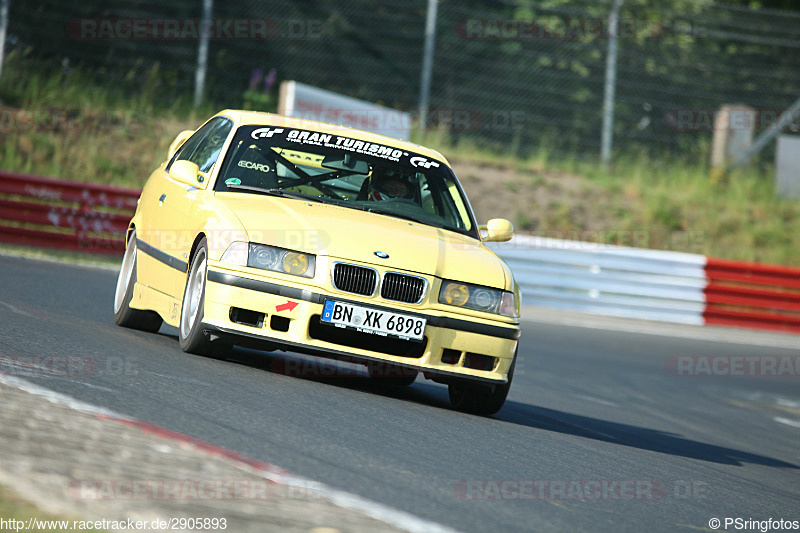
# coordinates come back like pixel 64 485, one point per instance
pixel 191 337
pixel 124 315
pixel 480 399
pixel 392 375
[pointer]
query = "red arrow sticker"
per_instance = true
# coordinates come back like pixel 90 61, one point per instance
pixel 288 306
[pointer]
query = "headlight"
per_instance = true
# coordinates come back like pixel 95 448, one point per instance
pixel 270 258
pixel 478 298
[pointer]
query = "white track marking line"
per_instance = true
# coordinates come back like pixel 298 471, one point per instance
pixel 17 310
pixel 388 515
pixel 787 422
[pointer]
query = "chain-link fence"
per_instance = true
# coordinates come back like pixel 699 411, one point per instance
pixel 521 75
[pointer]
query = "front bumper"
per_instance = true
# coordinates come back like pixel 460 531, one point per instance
pixel 286 314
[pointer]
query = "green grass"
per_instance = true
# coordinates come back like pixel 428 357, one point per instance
pixel 740 218
pixel 674 201
pixel 125 137
pixel 59 123
pixel 66 256
pixel 12 507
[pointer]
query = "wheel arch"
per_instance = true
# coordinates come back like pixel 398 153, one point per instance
pixel 198 238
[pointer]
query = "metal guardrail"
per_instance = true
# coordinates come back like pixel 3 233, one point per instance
pixel 39 211
pixel 608 280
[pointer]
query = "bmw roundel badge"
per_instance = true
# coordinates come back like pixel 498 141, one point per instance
pixel 382 255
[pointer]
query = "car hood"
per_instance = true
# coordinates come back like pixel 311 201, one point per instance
pixel 355 235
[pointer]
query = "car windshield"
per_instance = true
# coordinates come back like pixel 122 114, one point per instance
pixel 344 171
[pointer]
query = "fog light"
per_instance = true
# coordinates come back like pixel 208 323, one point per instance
pixel 456 294
pixel 295 263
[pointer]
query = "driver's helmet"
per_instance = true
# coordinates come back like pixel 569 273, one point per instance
pixel 392 185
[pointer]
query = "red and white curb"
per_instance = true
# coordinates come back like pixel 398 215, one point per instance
pixel 270 472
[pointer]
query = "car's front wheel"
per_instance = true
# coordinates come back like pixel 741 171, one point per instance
pixel 124 315
pixel 480 399
pixel 191 336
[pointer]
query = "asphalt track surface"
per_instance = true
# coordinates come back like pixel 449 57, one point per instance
pixel 598 434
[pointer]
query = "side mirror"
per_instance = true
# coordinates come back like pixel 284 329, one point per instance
pixel 178 142
pixel 498 230
pixel 188 173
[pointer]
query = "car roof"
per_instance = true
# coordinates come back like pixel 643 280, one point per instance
pixel 257 118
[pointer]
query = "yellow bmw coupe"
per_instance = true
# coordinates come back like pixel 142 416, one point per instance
pixel 267 231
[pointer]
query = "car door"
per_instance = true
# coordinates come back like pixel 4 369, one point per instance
pixel 172 199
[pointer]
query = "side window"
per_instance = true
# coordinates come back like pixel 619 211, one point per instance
pixel 204 146
pixel 462 217
pixel 428 200
pixel 207 153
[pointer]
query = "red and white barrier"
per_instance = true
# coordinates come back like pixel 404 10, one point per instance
pixel 581 276
pixel 38 211
pixel 752 295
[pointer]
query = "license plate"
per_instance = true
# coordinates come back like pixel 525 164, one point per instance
pixel 375 321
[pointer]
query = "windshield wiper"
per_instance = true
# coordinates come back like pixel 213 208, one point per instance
pixel 273 192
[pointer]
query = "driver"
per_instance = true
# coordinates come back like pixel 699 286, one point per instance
pixel 391 186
